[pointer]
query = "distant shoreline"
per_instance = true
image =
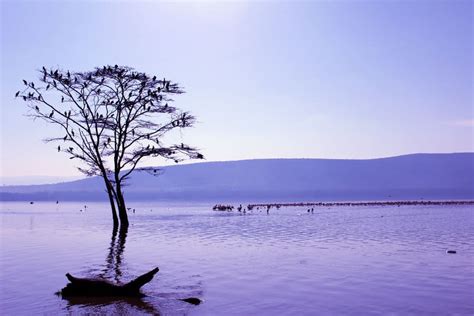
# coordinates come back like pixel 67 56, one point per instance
pixel 268 206
pixel 367 203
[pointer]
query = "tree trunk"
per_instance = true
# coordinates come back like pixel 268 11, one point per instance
pixel 122 209
pixel 108 185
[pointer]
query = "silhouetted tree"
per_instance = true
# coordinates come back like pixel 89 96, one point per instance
pixel 111 118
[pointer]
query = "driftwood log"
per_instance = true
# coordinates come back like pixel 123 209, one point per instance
pixel 98 287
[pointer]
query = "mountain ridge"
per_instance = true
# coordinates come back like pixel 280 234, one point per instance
pixel 404 177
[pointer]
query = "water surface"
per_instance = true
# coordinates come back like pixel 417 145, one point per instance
pixel 341 260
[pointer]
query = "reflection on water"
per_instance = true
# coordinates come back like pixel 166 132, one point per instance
pixel 113 272
pixel 357 260
pixel 117 306
pixel 112 269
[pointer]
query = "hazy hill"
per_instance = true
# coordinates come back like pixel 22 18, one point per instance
pixel 428 176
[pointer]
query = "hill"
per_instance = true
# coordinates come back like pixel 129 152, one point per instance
pixel 427 176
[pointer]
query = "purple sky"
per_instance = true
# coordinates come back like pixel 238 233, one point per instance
pixel 341 79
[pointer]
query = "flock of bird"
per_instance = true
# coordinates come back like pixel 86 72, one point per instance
pixel 312 205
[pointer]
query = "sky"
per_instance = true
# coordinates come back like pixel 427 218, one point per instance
pixel 266 79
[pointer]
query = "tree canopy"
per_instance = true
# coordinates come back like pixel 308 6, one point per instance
pixel 111 119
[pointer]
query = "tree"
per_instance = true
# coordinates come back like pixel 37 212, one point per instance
pixel 111 119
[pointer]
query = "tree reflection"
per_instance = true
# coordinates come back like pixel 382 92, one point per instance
pixel 113 271
pixel 114 259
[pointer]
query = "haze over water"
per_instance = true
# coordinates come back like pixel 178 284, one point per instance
pixel 340 260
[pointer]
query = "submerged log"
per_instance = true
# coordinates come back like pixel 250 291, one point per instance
pixel 192 300
pixel 98 287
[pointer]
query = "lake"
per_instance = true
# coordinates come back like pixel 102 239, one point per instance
pixel 340 260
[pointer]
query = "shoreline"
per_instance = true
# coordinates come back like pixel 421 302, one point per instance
pixel 367 203
pixel 268 206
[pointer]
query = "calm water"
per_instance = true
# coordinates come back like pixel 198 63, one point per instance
pixel 352 260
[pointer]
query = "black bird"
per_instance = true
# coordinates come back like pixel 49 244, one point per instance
pixel 116 66
pixel 72 133
pixel 51 115
pixel 71 149
pixel 199 156
pixel 154 78
pixel 26 83
pixel 37 108
pixel 59 148
pixel 68 74
pixel 65 137
pixel 17 94
pixel 47 87
pixel 24 98
pixel 44 69
pixel 62 99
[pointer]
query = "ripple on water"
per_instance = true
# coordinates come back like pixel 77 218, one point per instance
pixel 342 260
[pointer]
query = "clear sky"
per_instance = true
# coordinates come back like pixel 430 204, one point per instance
pixel 267 79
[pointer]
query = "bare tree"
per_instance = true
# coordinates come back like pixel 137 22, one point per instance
pixel 111 118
